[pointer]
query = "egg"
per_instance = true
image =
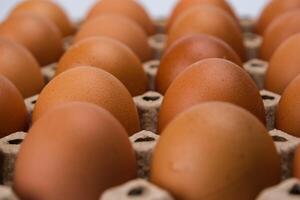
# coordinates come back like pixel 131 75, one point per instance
pixel 296 167
pixel 188 50
pixel 93 85
pixel 212 79
pixel 109 55
pixel 49 10
pixel 209 20
pixel 288 110
pixel 120 28
pixel 40 36
pixel 183 5
pixel 13 113
pixel 284 65
pixel 75 151
pixel 215 151
pixel 127 8
pixel 272 10
pixel 279 30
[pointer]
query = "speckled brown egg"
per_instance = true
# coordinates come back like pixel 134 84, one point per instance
pixel 80 149
pixel 215 151
pixel 272 10
pixel 127 8
pixel 21 68
pixel 39 35
pixel 210 20
pixel 119 28
pixel 49 10
pixel 279 30
pixel 13 113
pixel 284 65
pixel 93 85
pixel 297 163
pixel 212 79
pixel 288 110
pixel 188 50
pixel 109 55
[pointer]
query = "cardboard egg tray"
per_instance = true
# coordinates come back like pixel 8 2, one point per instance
pixel 144 142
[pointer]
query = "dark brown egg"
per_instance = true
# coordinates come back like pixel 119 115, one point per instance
pixel 93 85
pixel 119 28
pixel 13 113
pixel 80 149
pixel 212 79
pixel 209 20
pixel 49 10
pixel 127 8
pixel 215 151
pixel 109 55
pixel 278 31
pixel 188 50
pixel 39 35
pixel 297 163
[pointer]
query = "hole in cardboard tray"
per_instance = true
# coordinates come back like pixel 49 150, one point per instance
pixel 137 191
pixel 33 102
pixel 153 66
pixel 256 64
pixel 267 97
pixel 251 36
pixel 148 98
pixel 295 190
pixel 15 141
pixel 146 139
pixel 277 138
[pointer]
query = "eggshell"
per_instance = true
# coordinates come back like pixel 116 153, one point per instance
pixel 93 85
pixel 212 79
pixel 272 10
pixel 40 36
pixel 209 20
pixel 127 8
pixel 215 151
pixel 183 5
pixel 13 113
pixel 75 151
pixel 278 31
pixel 49 10
pixel 120 28
pixel 109 55
pixel 297 163
pixel 188 50
pixel 21 68
pixel 288 110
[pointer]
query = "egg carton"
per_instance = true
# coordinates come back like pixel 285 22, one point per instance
pixel 257 69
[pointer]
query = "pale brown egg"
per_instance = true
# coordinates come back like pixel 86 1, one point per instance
pixel 21 68
pixel 188 50
pixel 284 65
pixel 209 20
pixel 212 79
pixel 109 55
pixel 215 151
pixel 39 35
pixel 119 28
pixel 272 10
pixel 278 31
pixel 93 85
pixel 49 10
pixel 13 113
pixel 76 151
pixel 127 8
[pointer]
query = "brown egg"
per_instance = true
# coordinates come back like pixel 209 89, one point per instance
pixel 21 68
pixel 75 151
pixel 40 36
pixel 13 113
pixel 288 111
pixel 215 151
pixel 120 28
pixel 279 30
pixel 109 55
pixel 127 8
pixel 212 79
pixel 209 20
pixel 284 65
pixel 188 50
pixel 297 163
pixel 93 85
pixel 183 5
pixel 274 9
pixel 49 10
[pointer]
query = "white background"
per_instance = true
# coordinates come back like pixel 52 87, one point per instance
pixel 157 8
